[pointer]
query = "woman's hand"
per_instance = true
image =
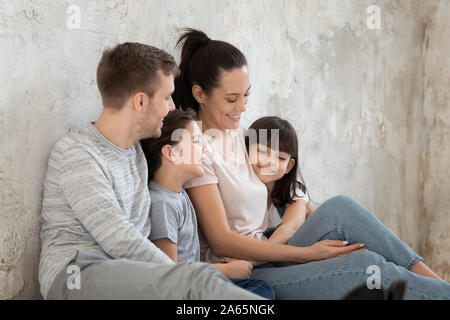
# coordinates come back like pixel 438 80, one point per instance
pixel 326 249
pixel 235 269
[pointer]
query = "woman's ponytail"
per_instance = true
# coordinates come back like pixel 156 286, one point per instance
pixel 190 41
pixel 202 60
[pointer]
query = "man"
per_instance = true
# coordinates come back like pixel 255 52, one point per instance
pixel 96 203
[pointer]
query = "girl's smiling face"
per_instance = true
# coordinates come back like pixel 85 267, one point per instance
pixel 270 165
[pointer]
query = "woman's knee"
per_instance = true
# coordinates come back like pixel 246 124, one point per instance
pixel 341 200
pixel 336 206
pixel 344 207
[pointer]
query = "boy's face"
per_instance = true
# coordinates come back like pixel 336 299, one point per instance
pixel 157 107
pixel 189 151
pixel 270 165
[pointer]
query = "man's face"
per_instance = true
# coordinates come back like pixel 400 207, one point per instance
pixel 157 107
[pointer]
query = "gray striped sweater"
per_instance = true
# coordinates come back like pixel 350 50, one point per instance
pixel 96 199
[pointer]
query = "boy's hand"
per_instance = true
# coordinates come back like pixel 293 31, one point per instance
pixel 235 269
pixel 253 263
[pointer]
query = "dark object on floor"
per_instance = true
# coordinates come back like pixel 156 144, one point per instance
pixel 395 292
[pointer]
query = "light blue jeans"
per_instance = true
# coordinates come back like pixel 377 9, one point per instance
pixel 342 218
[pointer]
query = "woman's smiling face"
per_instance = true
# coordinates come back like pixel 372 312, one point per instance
pixel 222 107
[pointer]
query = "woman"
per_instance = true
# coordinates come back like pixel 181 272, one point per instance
pixel 229 199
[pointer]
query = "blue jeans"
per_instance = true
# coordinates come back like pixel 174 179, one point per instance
pixel 342 218
pixel 256 286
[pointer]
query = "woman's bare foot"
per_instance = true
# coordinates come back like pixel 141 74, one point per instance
pixel 421 268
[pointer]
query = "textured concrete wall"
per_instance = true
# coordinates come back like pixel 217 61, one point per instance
pixel 437 157
pixel 355 95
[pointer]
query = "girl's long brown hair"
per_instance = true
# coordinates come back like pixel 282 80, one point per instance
pixel 288 142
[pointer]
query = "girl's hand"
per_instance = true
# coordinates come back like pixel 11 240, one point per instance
pixel 310 210
pixel 235 269
pixel 326 249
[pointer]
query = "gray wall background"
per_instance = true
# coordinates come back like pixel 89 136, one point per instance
pixel 371 107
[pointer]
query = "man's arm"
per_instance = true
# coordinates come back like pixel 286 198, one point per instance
pixel 91 196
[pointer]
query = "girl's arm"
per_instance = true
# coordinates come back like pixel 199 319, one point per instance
pixel 168 247
pixel 310 209
pixel 212 220
pixel 293 218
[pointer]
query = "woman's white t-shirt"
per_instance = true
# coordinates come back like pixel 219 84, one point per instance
pixel 244 196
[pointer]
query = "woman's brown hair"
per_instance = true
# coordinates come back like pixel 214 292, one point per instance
pixel 202 61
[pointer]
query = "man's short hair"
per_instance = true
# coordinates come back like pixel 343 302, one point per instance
pixel 129 68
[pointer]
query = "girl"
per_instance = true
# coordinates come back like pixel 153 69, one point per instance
pixel 288 202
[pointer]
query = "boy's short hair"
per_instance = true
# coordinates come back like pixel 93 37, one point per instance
pixel 129 68
pixel 176 119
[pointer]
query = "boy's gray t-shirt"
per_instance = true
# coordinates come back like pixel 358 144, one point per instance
pixel 172 216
